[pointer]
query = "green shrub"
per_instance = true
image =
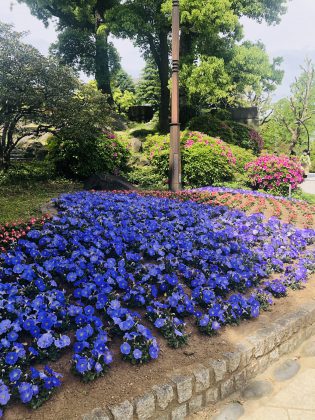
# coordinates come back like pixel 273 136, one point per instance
pixel 242 157
pixel 81 158
pixel 205 165
pixel 147 177
pixel 205 160
pixel 229 131
pixel 212 126
pixel 28 173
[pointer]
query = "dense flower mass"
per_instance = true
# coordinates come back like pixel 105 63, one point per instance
pixel 10 233
pixel 229 190
pixel 275 173
pixel 92 268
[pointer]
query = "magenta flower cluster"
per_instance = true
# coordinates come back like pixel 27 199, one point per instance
pixel 200 138
pixel 274 173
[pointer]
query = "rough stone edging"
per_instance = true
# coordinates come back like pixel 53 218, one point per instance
pixel 214 380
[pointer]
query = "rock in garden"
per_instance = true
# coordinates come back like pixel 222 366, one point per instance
pixel 107 182
pixel 49 208
pixel 286 370
pixel 232 411
pixel 136 145
pixel 308 349
pixel 257 389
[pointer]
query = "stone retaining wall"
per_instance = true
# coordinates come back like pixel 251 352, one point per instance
pixel 214 380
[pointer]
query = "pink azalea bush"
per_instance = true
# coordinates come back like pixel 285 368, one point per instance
pixel 205 159
pixel 274 173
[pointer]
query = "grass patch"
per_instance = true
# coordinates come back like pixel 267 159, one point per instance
pixel 22 201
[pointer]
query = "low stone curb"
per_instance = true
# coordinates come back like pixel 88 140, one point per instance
pixel 214 380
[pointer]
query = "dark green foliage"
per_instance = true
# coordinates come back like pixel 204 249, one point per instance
pixel 83 156
pixel 83 41
pixel 122 81
pixel 36 93
pixel 147 177
pixel 148 89
pixel 229 131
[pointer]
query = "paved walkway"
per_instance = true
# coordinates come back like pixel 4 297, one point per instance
pixel 286 391
pixel 308 185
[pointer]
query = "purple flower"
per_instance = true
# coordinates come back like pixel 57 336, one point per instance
pixel 215 326
pixel 15 375
pixel 45 341
pixel 125 348
pixel 11 358
pixel 62 342
pixel 82 365
pixel 4 394
pixel 154 352
pixel 137 354
pixel 160 322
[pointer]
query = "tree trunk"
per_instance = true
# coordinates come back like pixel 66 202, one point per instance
pixel 102 73
pixel 186 57
pixel 163 67
pixel 295 138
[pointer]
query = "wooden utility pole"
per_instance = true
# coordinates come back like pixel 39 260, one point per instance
pixel 175 172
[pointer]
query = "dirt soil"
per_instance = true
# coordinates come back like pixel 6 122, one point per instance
pixel 125 381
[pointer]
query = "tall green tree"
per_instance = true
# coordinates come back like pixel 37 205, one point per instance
pixel 148 90
pixel 38 95
pixel 210 28
pixel 84 32
pixel 146 24
pixel 295 116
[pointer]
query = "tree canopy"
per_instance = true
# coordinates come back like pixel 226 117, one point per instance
pixel 83 39
pixel 211 32
pixel 38 95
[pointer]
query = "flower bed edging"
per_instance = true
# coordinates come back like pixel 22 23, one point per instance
pixel 215 380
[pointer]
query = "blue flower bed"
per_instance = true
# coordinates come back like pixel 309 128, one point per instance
pixel 110 260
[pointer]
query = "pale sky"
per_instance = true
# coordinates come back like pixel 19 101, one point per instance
pixel 293 39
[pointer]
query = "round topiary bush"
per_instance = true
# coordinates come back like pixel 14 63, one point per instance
pixel 274 173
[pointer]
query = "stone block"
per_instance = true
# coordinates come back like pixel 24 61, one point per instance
pixel 233 360
pixel 252 369
pixel 212 396
pixel 195 404
pixel 227 388
pixel 145 406
pixel 202 376
pixel 258 344
pixel 240 379
pixel 274 356
pixel 184 386
pixel 283 348
pixel 246 351
pixel 263 362
pixel 219 367
pixel 179 413
pixel 164 395
pixel 123 411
